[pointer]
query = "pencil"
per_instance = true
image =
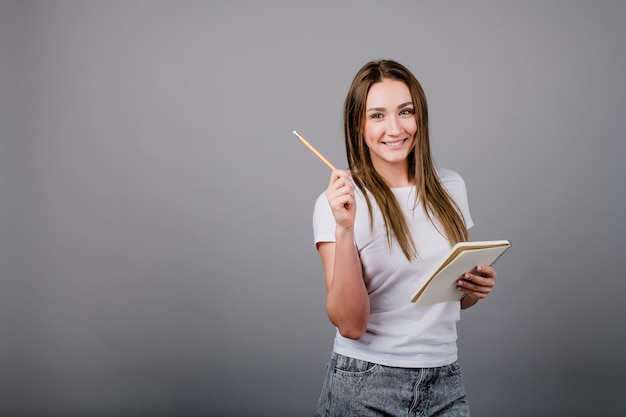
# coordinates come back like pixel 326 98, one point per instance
pixel 315 151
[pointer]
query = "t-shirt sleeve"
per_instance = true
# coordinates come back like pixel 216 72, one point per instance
pixel 455 185
pixel 323 221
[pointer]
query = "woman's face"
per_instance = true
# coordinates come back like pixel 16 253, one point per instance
pixel 390 124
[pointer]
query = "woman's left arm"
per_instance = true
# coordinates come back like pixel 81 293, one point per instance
pixel 476 284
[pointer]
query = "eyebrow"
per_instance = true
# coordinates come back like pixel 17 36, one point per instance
pixel 408 103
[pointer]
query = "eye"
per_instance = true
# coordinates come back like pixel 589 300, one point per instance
pixel 376 116
pixel 406 112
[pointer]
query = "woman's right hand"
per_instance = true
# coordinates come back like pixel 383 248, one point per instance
pixel 340 195
pixel 347 301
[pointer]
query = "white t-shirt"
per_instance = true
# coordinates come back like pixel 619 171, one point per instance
pixel 399 333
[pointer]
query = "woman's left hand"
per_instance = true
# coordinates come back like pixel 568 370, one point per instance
pixel 476 284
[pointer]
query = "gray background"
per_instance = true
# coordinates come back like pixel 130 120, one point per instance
pixel 155 209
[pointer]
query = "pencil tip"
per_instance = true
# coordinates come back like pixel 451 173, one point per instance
pixel 295 133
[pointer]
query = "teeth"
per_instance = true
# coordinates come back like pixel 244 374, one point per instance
pixel 394 143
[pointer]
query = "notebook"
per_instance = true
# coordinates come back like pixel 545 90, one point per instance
pixel 441 283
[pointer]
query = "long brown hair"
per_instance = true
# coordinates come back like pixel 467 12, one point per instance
pixel 431 193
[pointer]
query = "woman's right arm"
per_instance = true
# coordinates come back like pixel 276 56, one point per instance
pixel 347 301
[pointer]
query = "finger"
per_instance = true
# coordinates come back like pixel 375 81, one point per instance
pixel 343 190
pixel 486 271
pixel 472 289
pixel 339 174
pixel 475 283
pixel 481 281
pixel 338 186
pixel 341 197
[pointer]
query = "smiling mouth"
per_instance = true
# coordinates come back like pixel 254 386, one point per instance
pixel 396 143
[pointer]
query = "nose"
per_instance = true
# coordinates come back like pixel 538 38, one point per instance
pixel 394 127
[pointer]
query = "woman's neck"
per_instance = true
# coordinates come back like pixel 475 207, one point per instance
pixel 395 175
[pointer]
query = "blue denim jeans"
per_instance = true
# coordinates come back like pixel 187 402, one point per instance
pixel 353 387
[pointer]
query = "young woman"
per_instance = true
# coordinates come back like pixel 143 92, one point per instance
pixel 379 227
